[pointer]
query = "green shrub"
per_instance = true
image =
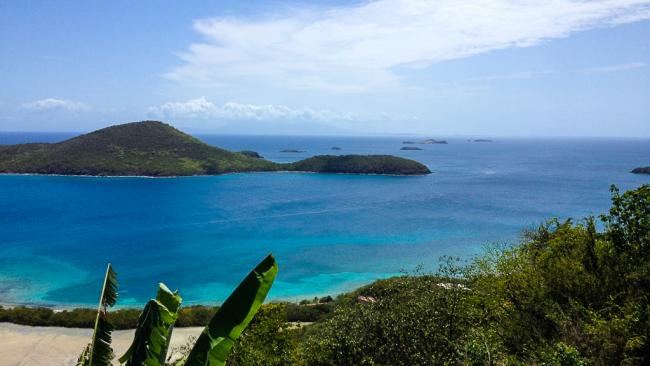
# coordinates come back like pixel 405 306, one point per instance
pixel 268 341
pixel 401 321
pixel 307 312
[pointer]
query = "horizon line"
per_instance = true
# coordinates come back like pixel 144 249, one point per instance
pixel 352 135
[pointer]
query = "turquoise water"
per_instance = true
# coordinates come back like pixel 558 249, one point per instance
pixel 330 233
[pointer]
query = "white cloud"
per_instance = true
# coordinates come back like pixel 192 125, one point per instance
pixel 614 68
pixel 359 48
pixel 201 108
pixel 49 104
pixel 195 108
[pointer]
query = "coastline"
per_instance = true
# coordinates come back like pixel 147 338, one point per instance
pixel 206 175
pixel 57 308
pixel 100 176
pixel 345 285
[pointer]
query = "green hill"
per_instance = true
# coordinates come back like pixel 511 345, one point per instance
pixel 152 148
pixel 141 148
pixel 366 164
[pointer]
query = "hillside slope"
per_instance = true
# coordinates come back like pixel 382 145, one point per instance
pixel 152 148
pixel 140 148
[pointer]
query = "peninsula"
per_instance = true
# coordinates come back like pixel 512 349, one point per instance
pixel 152 148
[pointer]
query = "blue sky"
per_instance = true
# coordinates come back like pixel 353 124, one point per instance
pixel 438 68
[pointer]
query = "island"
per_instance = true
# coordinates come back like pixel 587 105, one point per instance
pixel 336 148
pixel 641 170
pixel 410 148
pixel 156 149
pixel 365 164
pixel 433 141
pixel 482 140
pixel 292 151
pixel 425 142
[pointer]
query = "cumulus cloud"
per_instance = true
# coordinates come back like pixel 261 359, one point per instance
pixel 50 104
pixel 359 48
pixel 202 108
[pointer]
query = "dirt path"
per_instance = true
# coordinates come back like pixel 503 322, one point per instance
pixel 51 346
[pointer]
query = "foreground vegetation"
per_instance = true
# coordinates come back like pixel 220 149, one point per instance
pixel 152 148
pixel 156 323
pixel 571 293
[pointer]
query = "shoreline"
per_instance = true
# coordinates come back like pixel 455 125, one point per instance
pixel 344 288
pixel 57 308
pixel 205 175
pixel 297 315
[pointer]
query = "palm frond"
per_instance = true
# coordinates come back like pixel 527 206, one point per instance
pixel 99 351
pixel 109 292
pixel 216 340
pixel 84 357
pixel 154 329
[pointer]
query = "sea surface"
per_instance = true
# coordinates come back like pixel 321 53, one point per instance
pixel 330 232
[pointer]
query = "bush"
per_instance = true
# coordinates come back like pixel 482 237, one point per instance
pixel 307 312
pixel 401 321
pixel 268 341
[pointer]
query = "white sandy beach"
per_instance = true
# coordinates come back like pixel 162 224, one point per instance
pixel 52 346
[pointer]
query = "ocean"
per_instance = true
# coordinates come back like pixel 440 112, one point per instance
pixel 329 232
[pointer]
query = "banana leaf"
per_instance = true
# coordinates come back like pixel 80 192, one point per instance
pixel 154 330
pixel 216 340
pixel 99 352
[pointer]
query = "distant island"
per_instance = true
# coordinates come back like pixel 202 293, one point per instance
pixel 482 140
pixel 153 148
pixel 292 151
pixel 432 141
pixel 362 164
pixel 425 142
pixel 410 148
pixel 641 170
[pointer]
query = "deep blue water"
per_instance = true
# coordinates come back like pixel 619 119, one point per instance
pixel 330 233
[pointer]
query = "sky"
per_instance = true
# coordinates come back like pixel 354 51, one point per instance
pixel 395 67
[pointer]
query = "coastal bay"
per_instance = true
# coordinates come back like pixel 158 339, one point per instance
pixel 331 233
